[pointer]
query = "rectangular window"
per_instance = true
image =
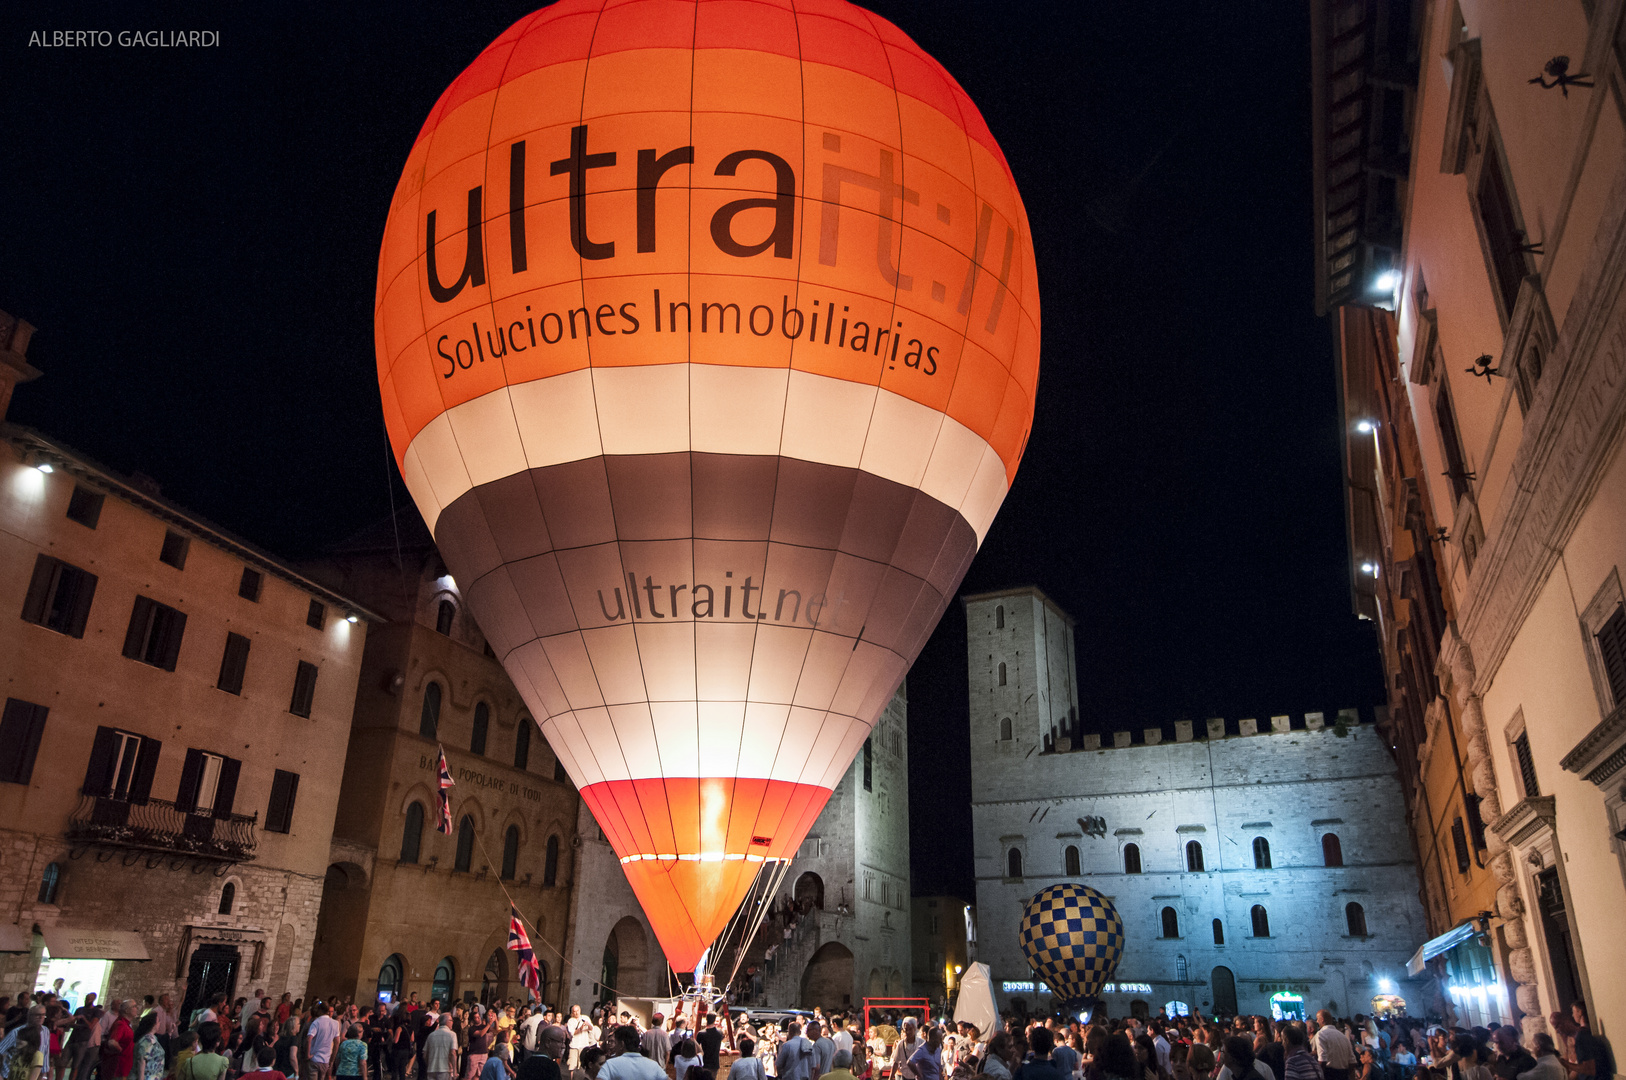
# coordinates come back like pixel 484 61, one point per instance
pixel 154 636
pixel 1476 821
pixel 279 816
pixel 59 596
pixel 869 764
pixel 1456 467
pixel 249 587
pixel 304 689
pixel 122 765
pixel 85 506
pixel 1527 765
pixel 208 784
pixel 316 617
pixel 233 664
pixel 20 729
pixel 1612 651
pixel 559 772
pixel 1459 838
pixel 1503 238
pixel 174 550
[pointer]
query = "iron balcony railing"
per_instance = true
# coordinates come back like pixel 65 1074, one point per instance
pixel 157 825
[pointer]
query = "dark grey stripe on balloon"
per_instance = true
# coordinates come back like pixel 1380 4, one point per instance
pixel 708 538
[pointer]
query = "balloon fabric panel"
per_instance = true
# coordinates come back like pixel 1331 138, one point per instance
pixel 707 342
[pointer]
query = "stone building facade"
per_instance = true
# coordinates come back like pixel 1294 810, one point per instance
pixel 1259 867
pixel 177 704
pixel 850 878
pixel 613 949
pixel 405 908
pixel 940 928
pixel 1472 250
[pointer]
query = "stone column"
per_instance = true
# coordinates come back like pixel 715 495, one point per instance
pixel 1509 905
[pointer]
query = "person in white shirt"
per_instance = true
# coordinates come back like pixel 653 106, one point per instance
pixel 1162 1045
pixel 841 1036
pixel 527 1031
pixel 582 1034
pixel 321 1042
pixel 1331 1047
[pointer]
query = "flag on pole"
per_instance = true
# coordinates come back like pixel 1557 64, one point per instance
pixel 530 973
pixel 445 823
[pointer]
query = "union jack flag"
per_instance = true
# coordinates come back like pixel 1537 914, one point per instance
pixel 445 823
pixel 530 972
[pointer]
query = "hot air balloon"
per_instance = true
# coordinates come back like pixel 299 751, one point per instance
pixel 1073 939
pixel 707 338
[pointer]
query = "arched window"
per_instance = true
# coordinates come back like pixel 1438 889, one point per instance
pixel 1219 932
pixel 1171 923
pixel 1332 852
pixel 1071 858
pixel 1181 971
pixel 522 743
pixel 1261 853
pixel 1013 863
pixel 1194 856
pixel 228 896
pixel 1131 858
pixel 1004 729
pixel 1261 921
pixel 1002 674
pixel 429 720
pixel 482 724
pixel 465 843
pixel 999 617
pixel 49 882
pixel 496 974
pixel 444 614
pixel 550 865
pixel 445 981
pixel 389 980
pixel 510 852
pixel 1355 916
pixel 412 835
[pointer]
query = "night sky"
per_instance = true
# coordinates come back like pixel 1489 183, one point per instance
pixel 195 233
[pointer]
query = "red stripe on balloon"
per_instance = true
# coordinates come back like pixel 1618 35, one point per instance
pixel 689 901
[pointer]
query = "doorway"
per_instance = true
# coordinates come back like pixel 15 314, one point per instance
pixel 1224 983
pixel 1555 928
pixel 213 971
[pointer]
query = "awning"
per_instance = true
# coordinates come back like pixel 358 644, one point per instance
pixel 14 938
pixel 68 943
pixel 1444 943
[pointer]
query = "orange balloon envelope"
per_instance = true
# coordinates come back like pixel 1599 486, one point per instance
pixel 708 335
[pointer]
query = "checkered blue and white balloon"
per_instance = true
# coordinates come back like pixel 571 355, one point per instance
pixel 1073 939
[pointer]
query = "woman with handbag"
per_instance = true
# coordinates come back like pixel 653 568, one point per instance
pixel 208 1063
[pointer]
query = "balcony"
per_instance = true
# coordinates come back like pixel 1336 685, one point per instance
pixel 158 827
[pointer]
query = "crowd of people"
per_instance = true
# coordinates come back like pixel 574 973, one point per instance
pixel 258 1038
pixel 1258 1048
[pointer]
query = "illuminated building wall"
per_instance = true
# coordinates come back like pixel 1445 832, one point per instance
pixel 176 708
pixel 1476 280
pixel 1248 859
